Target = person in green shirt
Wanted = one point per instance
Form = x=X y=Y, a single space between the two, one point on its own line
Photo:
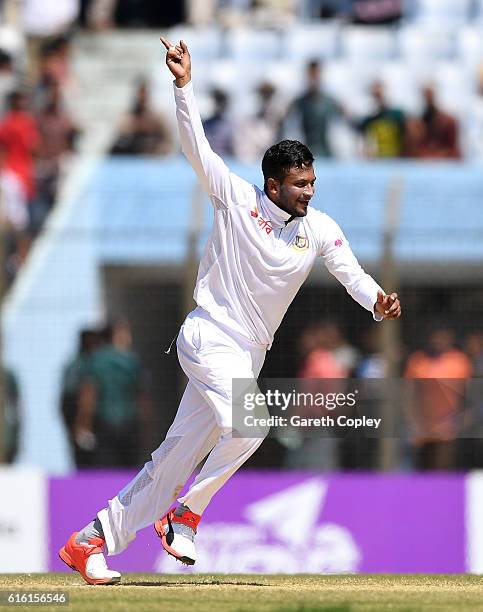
x=112 y=409
x=384 y=130
x=313 y=111
x=72 y=376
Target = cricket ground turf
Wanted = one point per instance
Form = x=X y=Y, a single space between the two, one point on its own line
x=260 y=593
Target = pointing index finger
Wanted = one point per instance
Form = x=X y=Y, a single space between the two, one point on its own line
x=166 y=43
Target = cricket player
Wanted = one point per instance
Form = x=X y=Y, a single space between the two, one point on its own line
x=261 y=249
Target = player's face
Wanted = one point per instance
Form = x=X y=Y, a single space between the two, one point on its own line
x=295 y=192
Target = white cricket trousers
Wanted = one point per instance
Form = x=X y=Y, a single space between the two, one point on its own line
x=210 y=356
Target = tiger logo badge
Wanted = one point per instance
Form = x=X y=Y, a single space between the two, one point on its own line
x=301 y=243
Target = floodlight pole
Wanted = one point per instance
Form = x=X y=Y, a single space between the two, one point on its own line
x=390 y=331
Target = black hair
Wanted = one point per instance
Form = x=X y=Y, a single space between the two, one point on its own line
x=5 y=59
x=314 y=64
x=111 y=326
x=88 y=340
x=281 y=157
x=14 y=99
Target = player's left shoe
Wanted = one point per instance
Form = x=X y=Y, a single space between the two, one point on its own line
x=177 y=535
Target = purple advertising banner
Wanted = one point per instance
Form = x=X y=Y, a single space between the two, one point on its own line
x=287 y=522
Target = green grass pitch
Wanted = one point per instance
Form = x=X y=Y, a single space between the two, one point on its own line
x=229 y=593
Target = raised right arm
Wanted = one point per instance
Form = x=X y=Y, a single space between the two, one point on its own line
x=220 y=184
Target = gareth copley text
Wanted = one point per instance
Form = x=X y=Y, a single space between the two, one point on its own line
x=342 y=420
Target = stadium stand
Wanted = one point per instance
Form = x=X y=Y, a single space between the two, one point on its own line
x=444 y=12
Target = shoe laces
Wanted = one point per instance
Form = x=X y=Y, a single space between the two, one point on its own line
x=184 y=530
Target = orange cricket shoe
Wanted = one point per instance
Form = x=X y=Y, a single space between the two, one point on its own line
x=177 y=535
x=88 y=560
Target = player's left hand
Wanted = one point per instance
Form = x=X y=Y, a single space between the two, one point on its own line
x=388 y=306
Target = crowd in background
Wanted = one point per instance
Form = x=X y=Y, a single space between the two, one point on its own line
x=107 y=409
x=385 y=133
x=37 y=134
x=314 y=117
x=102 y=14
x=439 y=416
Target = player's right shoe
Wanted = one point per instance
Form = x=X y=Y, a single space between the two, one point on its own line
x=88 y=559
x=177 y=535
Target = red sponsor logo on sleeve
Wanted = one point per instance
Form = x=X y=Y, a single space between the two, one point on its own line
x=338 y=242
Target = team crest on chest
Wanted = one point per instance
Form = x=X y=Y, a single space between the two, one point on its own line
x=301 y=243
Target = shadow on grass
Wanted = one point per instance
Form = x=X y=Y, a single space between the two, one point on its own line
x=343 y=607
x=192 y=584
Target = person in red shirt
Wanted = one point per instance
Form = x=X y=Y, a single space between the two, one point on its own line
x=435 y=135
x=20 y=136
x=437 y=402
x=58 y=134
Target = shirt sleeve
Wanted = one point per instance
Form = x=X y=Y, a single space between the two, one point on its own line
x=342 y=263
x=222 y=186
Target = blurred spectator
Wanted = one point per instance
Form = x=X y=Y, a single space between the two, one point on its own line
x=361 y=451
x=8 y=79
x=346 y=355
x=471 y=444
x=474 y=349
x=274 y=12
x=324 y=9
x=14 y=217
x=318 y=346
x=384 y=130
x=54 y=68
x=13 y=201
x=474 y=121
x=371 y=364
x=201 y=13
x=142 y=131
x=436 y=409
x=312 y=112
x=435 y=134
x=12 y=414
x=20 y=136
x=148 y=14
x=113 y=414
x=219 y=128
x=55 y=62
x=376 y=12
x=43 y=21
x=57 y=137
x=98 y=15
x=265 y=13
x=72 y=376
x=321 y=372
x=256 y=134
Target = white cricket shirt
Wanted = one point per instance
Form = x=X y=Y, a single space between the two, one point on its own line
x=254 y=262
